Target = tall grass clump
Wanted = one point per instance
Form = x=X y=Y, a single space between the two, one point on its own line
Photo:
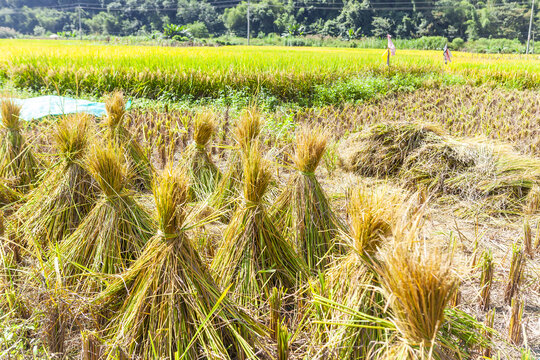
x=167 y=305
x=302 y=209
x=203 y=172
x=62 y=200
x=253 y=256
x=114 y=232
x=17 y=162
x=116 y=132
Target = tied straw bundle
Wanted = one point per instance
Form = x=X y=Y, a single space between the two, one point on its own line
x=58 y=205
x=302 y=209
x=17 y=162
x=228 y=193
x=203 y=172
x=114 y=232
x=169 y=305
x=121 y=137
x=254 y=257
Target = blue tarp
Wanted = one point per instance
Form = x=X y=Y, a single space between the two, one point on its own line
x=38 y=107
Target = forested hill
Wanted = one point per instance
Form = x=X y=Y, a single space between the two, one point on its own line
x=466 y=19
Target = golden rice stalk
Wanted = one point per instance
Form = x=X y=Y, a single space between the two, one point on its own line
x=516 y=272
x=302 y=209
x=55 y=208
x=527 y=239
x=113 y=233
x=419 y=285
x=254 y=257
x=486 y=279
x=203 y=172
x=167 y=305
x=91 y=348
x=123 y=139
x=516 y=316
x=17 y=162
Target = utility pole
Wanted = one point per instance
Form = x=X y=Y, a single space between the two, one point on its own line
x=249 y=5
x=80 y=29
x=530 y=26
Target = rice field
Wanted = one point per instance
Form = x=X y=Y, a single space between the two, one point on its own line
x=299 y=75
x=366 y=213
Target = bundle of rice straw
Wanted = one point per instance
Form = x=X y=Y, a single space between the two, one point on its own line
x=121 y=137
x=351 y=281
x=203 y=172
x=228 y=192
x=418 y=284
x=62 y=200
x=253 y=256
x=114 y=232
x=302 y=209
x=17 y=162
x=167 y=304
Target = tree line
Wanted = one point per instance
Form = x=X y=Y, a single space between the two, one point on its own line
x=348 y=19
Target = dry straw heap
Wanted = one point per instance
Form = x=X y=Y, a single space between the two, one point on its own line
x=203 y=172
x=17 y=163
x=114 y=232
x=167 y=304
x=116 y=132
x=57 y=206
x=302 y=209
x=253 y=256
x=493 y=179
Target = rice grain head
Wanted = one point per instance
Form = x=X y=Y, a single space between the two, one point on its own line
x=310 y=147
x=248 y=128
x=419 y=284
x=116 y=109
x=257 y=175
x=10 y=115
x=72 y=136
x=108 y=167
x=373 y=213
x=171 y=192
x=205 y=126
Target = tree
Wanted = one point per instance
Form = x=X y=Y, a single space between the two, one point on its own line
x=381 y=26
